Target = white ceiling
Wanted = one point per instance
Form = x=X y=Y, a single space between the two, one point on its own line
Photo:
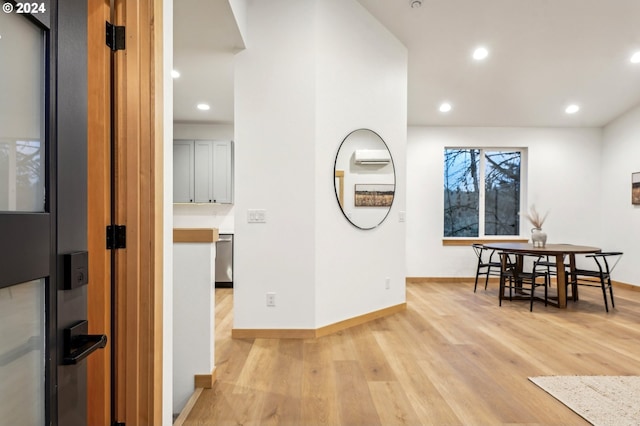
x=205 y=38
x=544 y=54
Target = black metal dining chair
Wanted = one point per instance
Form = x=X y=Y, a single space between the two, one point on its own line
x=600 y=276
x=549 y=262
x=487 y=264
x=520 y=281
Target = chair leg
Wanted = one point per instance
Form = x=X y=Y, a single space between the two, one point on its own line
x=477 y=275
x=547 y=283
x=574 y=288
x=613 y=305
x=604 y=294
x=533 y=292
x=486 y=280
x=511 y=283
x=502 y=286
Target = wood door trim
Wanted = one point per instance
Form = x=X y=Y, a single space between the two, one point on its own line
x=98 y=212
x=139 y=206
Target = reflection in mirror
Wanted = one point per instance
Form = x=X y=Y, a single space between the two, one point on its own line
x=364 y=178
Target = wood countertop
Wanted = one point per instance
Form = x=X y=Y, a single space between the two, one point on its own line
x=195 y=235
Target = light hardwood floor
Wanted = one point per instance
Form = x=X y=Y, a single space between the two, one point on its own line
x=453 y=358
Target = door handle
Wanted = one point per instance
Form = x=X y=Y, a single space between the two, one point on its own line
x=78 y=344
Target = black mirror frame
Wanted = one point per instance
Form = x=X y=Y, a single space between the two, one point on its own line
x=335 y=164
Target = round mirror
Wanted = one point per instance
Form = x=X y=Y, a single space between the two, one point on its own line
x=365 y=178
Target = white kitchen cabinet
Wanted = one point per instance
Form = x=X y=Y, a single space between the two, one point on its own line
x=183 y=174
x=223 y=172
x=203 y=171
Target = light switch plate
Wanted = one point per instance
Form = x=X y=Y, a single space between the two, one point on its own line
x=256 y=216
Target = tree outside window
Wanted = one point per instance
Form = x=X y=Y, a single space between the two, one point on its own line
x=481 y=192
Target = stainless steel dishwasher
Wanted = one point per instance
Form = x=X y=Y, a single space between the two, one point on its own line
x=224 y=261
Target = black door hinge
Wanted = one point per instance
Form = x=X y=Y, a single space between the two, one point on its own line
x=115 y=36
x=116 y=237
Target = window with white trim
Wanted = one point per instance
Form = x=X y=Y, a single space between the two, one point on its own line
x=482 y=192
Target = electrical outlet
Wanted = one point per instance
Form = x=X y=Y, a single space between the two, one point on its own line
x=387 y=283
x=271 y=299
x=402 y=216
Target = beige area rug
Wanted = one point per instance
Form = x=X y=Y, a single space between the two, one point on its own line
x=601 y=400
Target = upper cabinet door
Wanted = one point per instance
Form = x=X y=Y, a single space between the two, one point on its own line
x=183 y=164
x=223 y=172
x=203 y=171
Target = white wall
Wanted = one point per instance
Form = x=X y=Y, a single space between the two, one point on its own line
x=275 y=166
x=313 y=72
x=564 y=177
x=167 y=241
x=239 y=8
x=203 y=131
x=219 y=216
x=361 y=83
x=194 y=320
x=621 y=219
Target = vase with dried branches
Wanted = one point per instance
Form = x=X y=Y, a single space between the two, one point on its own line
x=538 y=237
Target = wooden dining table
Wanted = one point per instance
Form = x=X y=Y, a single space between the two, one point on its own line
x=559 y=251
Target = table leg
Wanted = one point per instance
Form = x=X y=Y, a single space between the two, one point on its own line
x=560 y=276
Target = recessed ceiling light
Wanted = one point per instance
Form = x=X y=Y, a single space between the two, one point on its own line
x=175 y=73
x=572 y=109
x=416 y=3
x=204 y=107
x=635 y=58
x=480 y=53
x=445 y=107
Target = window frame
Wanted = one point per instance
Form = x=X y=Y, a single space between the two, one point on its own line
x=524 y=160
